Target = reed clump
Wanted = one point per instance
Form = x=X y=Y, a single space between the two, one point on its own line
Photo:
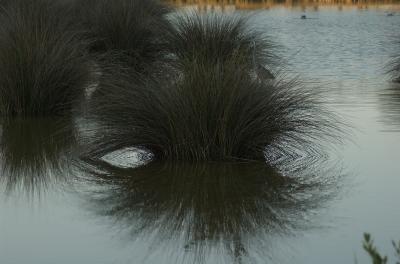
x=210 y=102
x=131 y=31
x=43 y=66
x=216 y=38
x=210 y=112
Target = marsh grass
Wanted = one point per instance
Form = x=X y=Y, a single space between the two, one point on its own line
x=373 y=252
x=209 y=102
x=130 y=31
x=215 y=38
x=43 y=67
x=211 y=112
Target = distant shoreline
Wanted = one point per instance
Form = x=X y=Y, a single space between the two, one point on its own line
x=302 y=4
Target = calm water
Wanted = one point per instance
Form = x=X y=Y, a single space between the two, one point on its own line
x=53 y=212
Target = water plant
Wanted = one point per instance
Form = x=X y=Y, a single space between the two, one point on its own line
x=130 y=30
x=211 y=112
x=215 y=38
x=373 y=252
x=43 y=66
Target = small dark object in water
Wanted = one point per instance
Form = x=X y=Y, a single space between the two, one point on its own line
x=303 y=17
x=390 y=14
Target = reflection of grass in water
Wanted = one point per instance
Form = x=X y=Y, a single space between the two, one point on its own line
x=390 y=105
x=207 y=206
x=33 y=153
x=131 y=30
x=43 y=70
x=394 y=68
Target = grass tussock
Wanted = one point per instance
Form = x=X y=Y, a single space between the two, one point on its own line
x=129 y=30
x=211 y=112
x=208 y=106
x=43 y=69
x=216 y=38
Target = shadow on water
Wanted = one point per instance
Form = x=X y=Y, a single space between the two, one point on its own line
x=204 y=208
x=34 y=153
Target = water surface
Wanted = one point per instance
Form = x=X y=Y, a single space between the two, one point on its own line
x=53 y=211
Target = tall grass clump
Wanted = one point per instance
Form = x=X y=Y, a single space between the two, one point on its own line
x=216 y=38
x=43 y=69
x=210 y=113
x=210 y=109
x=130 y=30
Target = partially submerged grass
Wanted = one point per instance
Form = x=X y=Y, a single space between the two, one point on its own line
x=208 y=104
x=211 y=112
x=129 y=30
x=43 y=66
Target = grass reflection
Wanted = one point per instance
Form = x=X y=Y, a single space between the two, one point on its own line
x=231 y=208
x=33 y=153
x=390 y=106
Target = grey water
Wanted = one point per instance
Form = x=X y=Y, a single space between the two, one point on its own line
x=52 y=211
